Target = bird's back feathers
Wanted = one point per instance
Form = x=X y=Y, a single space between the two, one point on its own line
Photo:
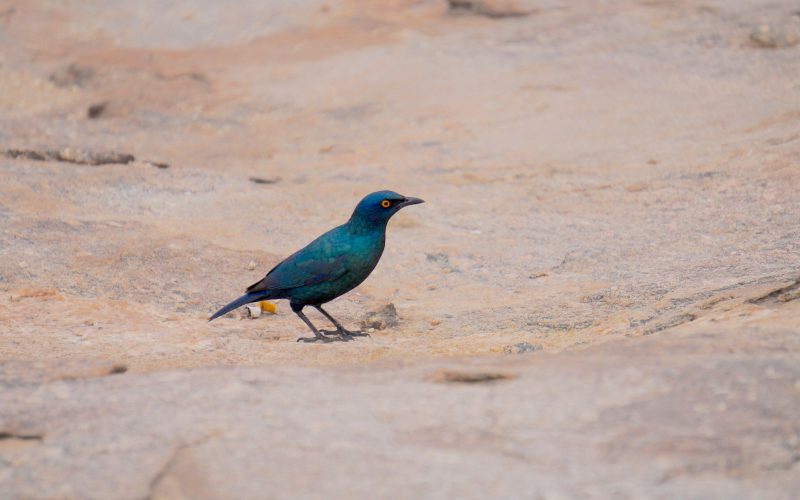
x=320 y=261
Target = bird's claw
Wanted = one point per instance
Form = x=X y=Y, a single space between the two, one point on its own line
x=337 y=334
x=316 y=339
x=346 y=334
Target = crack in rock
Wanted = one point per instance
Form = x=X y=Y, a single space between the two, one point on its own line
x=173 y=459
x=70 y=155
x=447 y=376
x=783 y=294
x=20 y=437
x=671 y=323
x=493 y=9
x=79 y=156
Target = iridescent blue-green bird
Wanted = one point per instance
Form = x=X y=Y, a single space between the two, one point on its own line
x=330 y=266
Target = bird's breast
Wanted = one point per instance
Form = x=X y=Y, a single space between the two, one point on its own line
x=365 y=254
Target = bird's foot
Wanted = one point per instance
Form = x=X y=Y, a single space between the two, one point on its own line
x=337 y=334
x=345 y=334
x=319 y=338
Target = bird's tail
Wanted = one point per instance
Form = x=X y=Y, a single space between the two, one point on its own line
x=244 y=299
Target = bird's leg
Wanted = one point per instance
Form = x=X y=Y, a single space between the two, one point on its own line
x=340 y=330
x=318 y=336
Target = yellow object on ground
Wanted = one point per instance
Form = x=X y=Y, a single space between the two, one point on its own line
x=268 y=307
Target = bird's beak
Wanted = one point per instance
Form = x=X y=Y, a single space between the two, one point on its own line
x=410 y=201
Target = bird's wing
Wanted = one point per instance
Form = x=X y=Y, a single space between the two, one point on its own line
x=322 y=260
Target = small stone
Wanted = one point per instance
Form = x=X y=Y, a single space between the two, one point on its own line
x=118 y=369
x=435 y=322
x=774 y=37
x=251 y=265
x=95 y=110
x=438 y=258
x=72 y=76
x=253 y=311
x=522 y=348
x=380 y=319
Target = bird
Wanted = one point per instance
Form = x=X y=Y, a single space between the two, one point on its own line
x=330 y=266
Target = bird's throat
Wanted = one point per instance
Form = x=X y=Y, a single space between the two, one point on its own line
x=360 y=225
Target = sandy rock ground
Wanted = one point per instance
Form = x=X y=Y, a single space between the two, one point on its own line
x=611 y=187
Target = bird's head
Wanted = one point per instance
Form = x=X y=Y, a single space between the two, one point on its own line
x=377 y=208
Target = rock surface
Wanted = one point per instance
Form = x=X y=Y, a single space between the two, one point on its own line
x=705 y=409
x=614 y=182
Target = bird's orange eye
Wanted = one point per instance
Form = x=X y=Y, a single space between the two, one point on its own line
x=386 y=203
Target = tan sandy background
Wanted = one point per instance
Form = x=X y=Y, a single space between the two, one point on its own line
x=598 y=299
